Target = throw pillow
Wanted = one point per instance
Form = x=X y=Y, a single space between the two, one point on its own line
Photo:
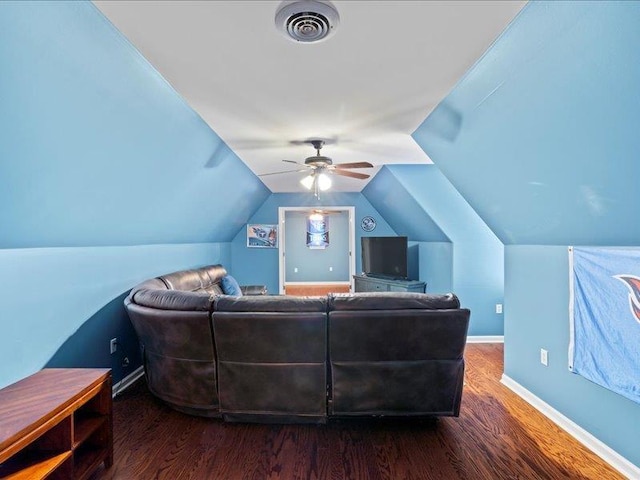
x=230 y=286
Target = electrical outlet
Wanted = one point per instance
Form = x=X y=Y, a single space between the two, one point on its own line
x=331 y=269
x=544 y=357
x=295 y=270
x=113 y=345
x=498 y=308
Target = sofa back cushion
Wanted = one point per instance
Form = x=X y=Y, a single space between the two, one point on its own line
x=174 y=300
x=392 y=301
x=267 y=303
x=183 y=280
x=195 y=279
x=152 y=284
x=214 y=273
x=398 y=335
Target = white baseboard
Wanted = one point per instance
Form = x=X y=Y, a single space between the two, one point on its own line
x=613 y=458
x=485 y=339
x=127 y=381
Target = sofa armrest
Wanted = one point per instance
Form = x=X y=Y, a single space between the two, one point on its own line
x=253 y=289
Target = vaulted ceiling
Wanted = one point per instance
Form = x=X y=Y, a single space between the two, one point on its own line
x=364 y=90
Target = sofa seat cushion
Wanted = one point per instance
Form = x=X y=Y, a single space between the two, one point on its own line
x=392 y=301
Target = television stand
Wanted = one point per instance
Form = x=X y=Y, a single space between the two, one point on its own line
x=56 y=424
x=364 y=283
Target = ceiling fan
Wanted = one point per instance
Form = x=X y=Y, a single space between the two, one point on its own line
x=320 y=167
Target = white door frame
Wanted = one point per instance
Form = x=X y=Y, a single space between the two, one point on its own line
x=282 y=247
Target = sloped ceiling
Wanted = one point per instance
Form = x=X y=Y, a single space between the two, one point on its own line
x=96 y=148
x=540 y=136
x=365 y=89
x=406 y=214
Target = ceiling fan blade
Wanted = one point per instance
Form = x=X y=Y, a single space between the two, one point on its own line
x=291 y=161
x=347 y=173
x=353 y=165
x=284 y=171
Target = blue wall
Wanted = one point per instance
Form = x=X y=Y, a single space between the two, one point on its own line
x=546 y=144
x=97 y=148
x=540 y=136
x=313 y=264
x=406 y=213
x=255 y=265
x=537 y=316
x=60 y=306
x=97 y=151
x=420 y=202
x=436 y=266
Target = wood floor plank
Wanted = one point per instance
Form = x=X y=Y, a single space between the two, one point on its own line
x=497 y=436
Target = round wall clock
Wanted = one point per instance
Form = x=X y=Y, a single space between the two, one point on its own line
x=368 y=224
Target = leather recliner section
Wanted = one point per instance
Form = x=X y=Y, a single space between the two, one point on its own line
x=179 y=357
x=386 y=359
x=172 y=317
x=271 y=358
x=288 y=359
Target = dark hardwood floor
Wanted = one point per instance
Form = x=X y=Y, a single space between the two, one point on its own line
x=497 y=436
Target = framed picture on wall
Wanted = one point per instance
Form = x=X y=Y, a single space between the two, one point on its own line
x=262 y=236
x=317 y=231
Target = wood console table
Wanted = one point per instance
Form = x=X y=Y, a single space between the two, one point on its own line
x=363 y=283
x=56 y=424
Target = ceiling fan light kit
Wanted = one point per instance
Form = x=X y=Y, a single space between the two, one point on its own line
x=321 y=168
x=324 y=182
x=307 y=21
x=307 y=182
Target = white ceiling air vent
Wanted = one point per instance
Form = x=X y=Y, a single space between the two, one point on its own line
x=307 y=21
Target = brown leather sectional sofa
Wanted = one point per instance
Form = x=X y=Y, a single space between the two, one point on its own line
x=287 y=359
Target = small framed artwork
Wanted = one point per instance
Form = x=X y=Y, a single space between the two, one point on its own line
x=262 y=236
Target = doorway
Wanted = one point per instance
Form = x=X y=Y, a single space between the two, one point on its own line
x=313 y=261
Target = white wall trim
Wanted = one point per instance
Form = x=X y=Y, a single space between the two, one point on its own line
x=345 y=282
x=127 y=381
x=485 y=339
x=605 y=452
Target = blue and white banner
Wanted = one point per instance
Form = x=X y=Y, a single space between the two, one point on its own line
x=604 y=317
x=317 y=231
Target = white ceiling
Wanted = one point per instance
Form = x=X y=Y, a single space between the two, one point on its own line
x=366 y=88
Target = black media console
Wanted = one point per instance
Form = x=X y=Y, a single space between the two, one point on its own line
x=364 y=283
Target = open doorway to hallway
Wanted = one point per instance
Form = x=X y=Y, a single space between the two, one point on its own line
x=317 y=250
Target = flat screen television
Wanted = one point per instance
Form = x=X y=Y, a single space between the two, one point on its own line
x=384 y=257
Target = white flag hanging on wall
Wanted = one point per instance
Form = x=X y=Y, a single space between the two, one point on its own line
x=604 y=317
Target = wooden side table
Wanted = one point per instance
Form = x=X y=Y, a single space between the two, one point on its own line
x=56 y=423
